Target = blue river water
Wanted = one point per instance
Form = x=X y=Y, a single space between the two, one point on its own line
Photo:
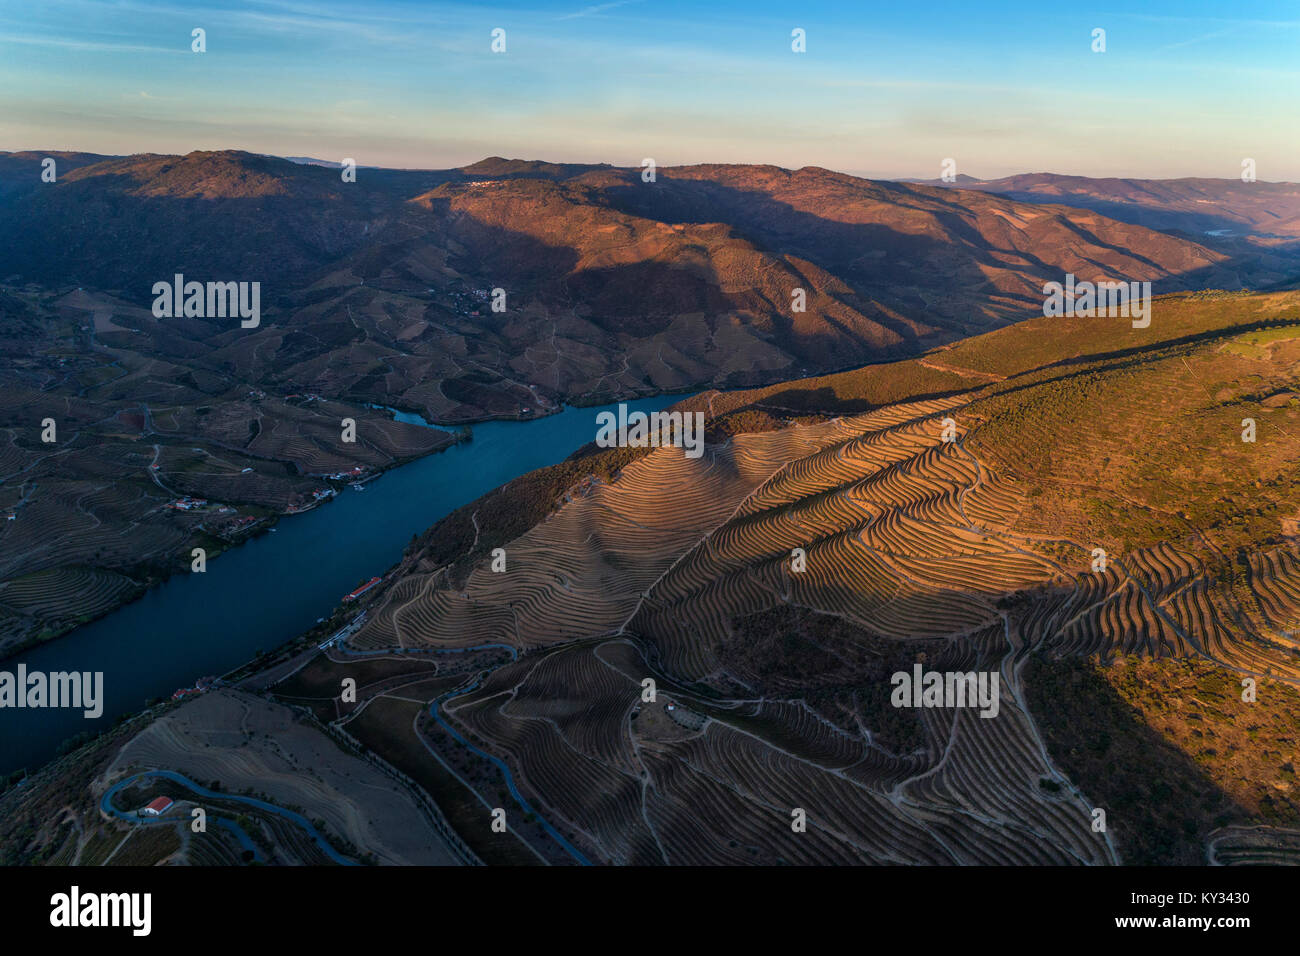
x=271 y=589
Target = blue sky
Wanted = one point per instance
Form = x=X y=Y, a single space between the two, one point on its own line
x=1184 y=88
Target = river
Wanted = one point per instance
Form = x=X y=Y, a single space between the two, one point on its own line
x=268 y=591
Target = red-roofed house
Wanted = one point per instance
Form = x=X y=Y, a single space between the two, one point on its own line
x=157 y=807
x=362 y=590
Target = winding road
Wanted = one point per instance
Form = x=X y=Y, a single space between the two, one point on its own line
x=106 y=804
x=496 y=761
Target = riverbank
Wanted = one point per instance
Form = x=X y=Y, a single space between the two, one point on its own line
x=151 y=548
x=277 y=587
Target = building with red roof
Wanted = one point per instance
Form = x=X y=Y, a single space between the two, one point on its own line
x=157 y=807
x=361 y=590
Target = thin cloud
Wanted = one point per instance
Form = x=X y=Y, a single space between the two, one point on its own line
x=597 y=9
x=1201 y=39
x=87 y=46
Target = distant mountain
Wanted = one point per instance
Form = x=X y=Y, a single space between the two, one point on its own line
x=1211 y=209
x=115 y=224
x=310 y=161
x=961 y=180
x=379 y=289
x=21 y=171
x=494 y=167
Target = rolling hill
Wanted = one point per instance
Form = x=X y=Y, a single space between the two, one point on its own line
x=379 y=289
x=1158 y=690
x=1121 y=686
x=381 y=292
x=1243 y=220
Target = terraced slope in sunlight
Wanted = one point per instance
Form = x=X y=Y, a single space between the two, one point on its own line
x=773 y=588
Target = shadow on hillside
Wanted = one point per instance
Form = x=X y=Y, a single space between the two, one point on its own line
x=647 y=297
x=95 y=232
x=838 y=246
x=1160 y=806
x=1195 y=225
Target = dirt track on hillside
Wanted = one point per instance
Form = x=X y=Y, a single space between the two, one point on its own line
x=244 y=741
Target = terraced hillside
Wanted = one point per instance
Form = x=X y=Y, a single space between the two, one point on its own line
x=384 y=292
x=274 y=789
x=950 y=513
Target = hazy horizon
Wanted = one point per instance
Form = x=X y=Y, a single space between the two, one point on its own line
x=1178 y=92
x=315 y=160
